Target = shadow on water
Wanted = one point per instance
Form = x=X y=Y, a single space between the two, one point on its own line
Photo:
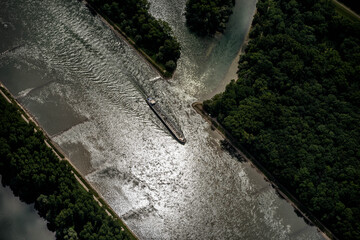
x=91 y=10
x=197 y=192
x=226 y=146
x=306 y=220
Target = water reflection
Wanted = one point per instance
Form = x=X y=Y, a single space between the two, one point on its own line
x=19 y=220
x=82 y=84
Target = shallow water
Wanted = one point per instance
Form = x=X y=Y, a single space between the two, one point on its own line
x=86 y=88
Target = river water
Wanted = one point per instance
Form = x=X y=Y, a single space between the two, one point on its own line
x=85 y=87
x=20 y=221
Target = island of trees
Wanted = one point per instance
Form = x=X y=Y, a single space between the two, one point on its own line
x=296 y=106
x=206 y=17
x=36 y=175
x=152 y=36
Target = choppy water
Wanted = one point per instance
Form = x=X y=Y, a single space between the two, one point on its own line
x=84 y=86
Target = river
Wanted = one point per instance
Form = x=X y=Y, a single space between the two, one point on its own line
x=85 y=87
x=19 y=220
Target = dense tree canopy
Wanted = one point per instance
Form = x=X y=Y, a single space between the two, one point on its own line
x=35 y=174
x=296 y=106
x=205 y=17
x=153 y=36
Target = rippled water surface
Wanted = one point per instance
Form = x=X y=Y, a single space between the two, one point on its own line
x=86 y=88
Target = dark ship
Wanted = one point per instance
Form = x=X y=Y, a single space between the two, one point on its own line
x=179 y=136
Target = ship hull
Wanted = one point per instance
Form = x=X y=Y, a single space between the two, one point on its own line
x=171 y=129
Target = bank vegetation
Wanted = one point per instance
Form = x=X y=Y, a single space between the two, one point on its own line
x=36 y=175
x=206 y=17
x=296 y=106
x=153 y=37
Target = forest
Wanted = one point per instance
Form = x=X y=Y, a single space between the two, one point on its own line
x=205 y=17
x=296 y=106
x=151 y=35
x=36 y=175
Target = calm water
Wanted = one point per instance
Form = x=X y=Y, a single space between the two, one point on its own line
x=85 y=88
x=19 y=220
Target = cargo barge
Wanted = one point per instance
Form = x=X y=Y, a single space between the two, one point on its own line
x=179 y=136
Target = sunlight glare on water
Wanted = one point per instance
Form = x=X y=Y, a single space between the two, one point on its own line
x=85 y=87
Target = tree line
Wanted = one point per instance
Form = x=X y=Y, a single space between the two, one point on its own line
x=206 y=17
x=353 y=5
x=36 y=175
x=296 y=106
x=153 y=36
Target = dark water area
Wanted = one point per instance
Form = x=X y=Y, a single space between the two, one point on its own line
x=20 y=221
x=85 y=87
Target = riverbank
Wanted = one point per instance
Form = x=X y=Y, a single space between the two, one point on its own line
x=122 y=35
x=345 y=11
x=232 y=71
x=27 y=117
x=281 y=190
